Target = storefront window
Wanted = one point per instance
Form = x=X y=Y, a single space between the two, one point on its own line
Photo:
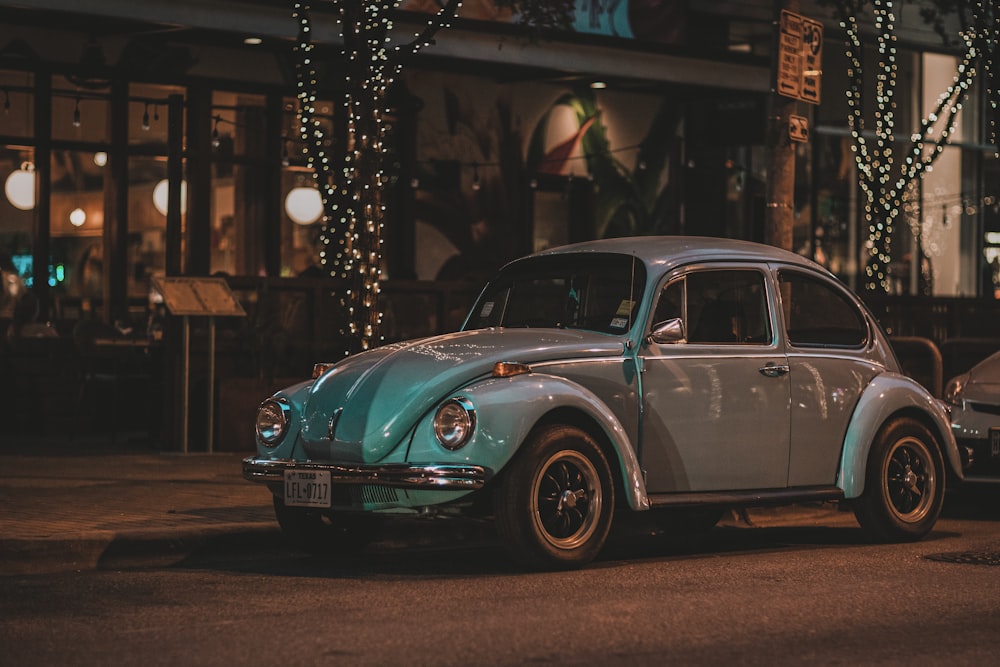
x=147 y=112
x=77 y=221
x=990 y=274
x=239 y=176
x=79 y=116
x=16 y=103
x=17 y=175
x=301 y=204
x=147 y=222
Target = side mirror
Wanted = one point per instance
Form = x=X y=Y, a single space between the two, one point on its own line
x=671 y=331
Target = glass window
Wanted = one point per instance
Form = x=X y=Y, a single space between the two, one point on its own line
x=671 y=304
x=727 y=307
x=79 y=116
x=817 y=315
x=16 y=104
x=77 y=220
x=599 y=292
x=147 y=113
x=301 y=204
x=147 y=222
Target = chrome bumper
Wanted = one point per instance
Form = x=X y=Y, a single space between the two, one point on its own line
x=439 y=477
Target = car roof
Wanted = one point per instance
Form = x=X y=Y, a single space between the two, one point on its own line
x=670 y=251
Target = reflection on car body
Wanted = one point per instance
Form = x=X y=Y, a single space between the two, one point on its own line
x=672 y=375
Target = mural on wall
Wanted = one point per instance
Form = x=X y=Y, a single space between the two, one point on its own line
x=630 y=199
x=482 y=146
x=661 y=21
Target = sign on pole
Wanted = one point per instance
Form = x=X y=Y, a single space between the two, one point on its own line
x=800 y=57
x=798 y=128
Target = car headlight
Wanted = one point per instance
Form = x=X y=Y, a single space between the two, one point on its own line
x=272 y=421
x=954 y=388
x=454 y=422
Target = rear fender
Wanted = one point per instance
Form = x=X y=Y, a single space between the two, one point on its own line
x=886 y=395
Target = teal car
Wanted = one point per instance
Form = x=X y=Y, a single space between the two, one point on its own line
x=673 y=375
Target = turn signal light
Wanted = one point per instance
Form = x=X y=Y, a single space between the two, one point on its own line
x=507 y=369
x=320 y=368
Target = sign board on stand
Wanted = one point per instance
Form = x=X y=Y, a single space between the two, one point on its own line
x=198 y=297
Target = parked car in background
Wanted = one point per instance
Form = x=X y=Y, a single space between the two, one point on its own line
x=673 y=375
x=975 y=418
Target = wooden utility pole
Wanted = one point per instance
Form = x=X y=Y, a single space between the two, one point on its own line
x=780 y=215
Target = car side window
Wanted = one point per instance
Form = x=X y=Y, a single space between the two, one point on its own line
x=719 y=307
x=817 y=315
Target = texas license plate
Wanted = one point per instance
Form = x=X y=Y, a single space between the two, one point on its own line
x=307 y=488
x=994 y=442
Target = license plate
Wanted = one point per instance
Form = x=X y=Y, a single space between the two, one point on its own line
x=307 y=488
x=995 y=442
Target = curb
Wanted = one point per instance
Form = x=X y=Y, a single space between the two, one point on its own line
x=128 y=550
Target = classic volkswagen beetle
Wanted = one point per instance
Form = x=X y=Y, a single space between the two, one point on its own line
x=679 y=375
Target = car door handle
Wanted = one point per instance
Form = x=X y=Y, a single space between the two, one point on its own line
x=772 y=370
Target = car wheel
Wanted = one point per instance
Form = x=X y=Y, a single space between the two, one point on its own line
x=904 y=483
x=555 y=501
x=324 y=533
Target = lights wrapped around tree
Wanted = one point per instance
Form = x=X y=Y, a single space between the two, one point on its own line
x=354 y=194
x=882 y=176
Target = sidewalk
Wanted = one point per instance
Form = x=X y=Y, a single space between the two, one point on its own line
x=85 y=506
x=93 y=507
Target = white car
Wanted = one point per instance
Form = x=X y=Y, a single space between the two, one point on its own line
x=975 y=418
x=673 y=375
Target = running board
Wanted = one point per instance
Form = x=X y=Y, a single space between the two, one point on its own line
x=749 y=498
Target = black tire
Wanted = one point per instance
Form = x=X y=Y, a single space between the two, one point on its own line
x=904 y=483
x=555 y=501
x=325 y=533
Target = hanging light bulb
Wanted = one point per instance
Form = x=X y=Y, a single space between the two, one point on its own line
x=145 y=118
x=475 y=176
x=215 y=133
x=76 y=113
x=6 y=101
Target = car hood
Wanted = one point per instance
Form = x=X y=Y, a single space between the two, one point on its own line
x=374 y=398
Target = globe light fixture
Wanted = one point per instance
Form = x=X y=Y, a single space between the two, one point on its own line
x=160 y=193
x=77 y=217
x=20 y=187
x=304 y=205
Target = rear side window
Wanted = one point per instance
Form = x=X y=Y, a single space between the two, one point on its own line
x=818 y=315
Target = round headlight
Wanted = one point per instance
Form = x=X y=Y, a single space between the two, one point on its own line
x=272 y=421
x=953 y=390
x=454 y=422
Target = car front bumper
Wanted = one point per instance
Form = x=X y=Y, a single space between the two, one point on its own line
x=438 y=477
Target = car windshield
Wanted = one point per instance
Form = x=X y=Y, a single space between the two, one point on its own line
x=595 y=291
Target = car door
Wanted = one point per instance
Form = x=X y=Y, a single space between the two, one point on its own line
x=715 y=403
x=828 y=342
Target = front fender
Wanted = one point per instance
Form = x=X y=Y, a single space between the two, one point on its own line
x=295 y=397
x=886 y=395
x=507 y=409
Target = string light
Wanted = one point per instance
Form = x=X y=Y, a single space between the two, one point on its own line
x=884 y=179
x=76 y=113
x=353 y=194
x=145 y=118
